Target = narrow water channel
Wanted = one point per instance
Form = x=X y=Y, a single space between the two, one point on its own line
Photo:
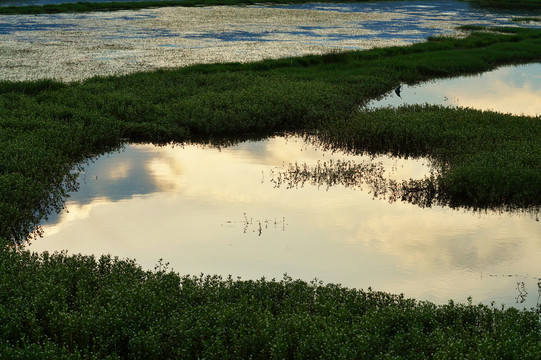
x=509 y=89
x=225 y=211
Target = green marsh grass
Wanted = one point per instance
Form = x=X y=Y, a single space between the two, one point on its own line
x=55 y=306
x=484 y=159
x=526 y=19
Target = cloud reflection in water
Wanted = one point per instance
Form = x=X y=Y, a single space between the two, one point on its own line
x=509 y=89
x=172 y=203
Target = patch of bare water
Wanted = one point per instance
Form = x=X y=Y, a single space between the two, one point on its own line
x=510 y=89
x=284 y=205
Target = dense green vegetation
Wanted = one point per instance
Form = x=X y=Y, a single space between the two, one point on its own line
x=485 y=159
x=73 y=307
x=82 y=6
x=46 y=127
x=509 y=4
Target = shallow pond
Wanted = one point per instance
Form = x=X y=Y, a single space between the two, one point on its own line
x=247 y=210
x=509 y=89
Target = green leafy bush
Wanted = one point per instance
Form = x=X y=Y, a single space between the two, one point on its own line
x=59 y=306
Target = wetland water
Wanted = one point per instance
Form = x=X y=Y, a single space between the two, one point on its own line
x=236 y=211
x=112 y=43
x=509 y=89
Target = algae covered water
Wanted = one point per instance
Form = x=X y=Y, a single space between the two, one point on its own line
x=123 y=42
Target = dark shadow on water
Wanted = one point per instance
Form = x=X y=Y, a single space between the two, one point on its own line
x=52 y=203
x=49 y=207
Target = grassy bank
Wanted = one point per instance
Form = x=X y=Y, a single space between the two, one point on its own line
x=46 y=127
x=508 y=4
x=80 y=7
x=485 y=159
x=73 y=307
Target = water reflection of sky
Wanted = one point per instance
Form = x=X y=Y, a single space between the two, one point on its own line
x=217 y=212
x=509 y=89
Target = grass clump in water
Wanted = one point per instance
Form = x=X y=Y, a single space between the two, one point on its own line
x=526 y=19
x=484 y=159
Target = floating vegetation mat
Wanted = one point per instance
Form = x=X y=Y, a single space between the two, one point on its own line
x=72 y=47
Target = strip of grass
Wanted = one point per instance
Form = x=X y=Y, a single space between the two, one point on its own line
x=508 y=4
x=479 y=154
x=526 y=19
x=73 y=307
x=46 y=127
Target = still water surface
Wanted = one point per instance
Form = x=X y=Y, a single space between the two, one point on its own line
x=509 y=89
x=223 y=211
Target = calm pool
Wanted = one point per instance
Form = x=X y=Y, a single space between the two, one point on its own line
x=509 y=89
x=225 y=211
